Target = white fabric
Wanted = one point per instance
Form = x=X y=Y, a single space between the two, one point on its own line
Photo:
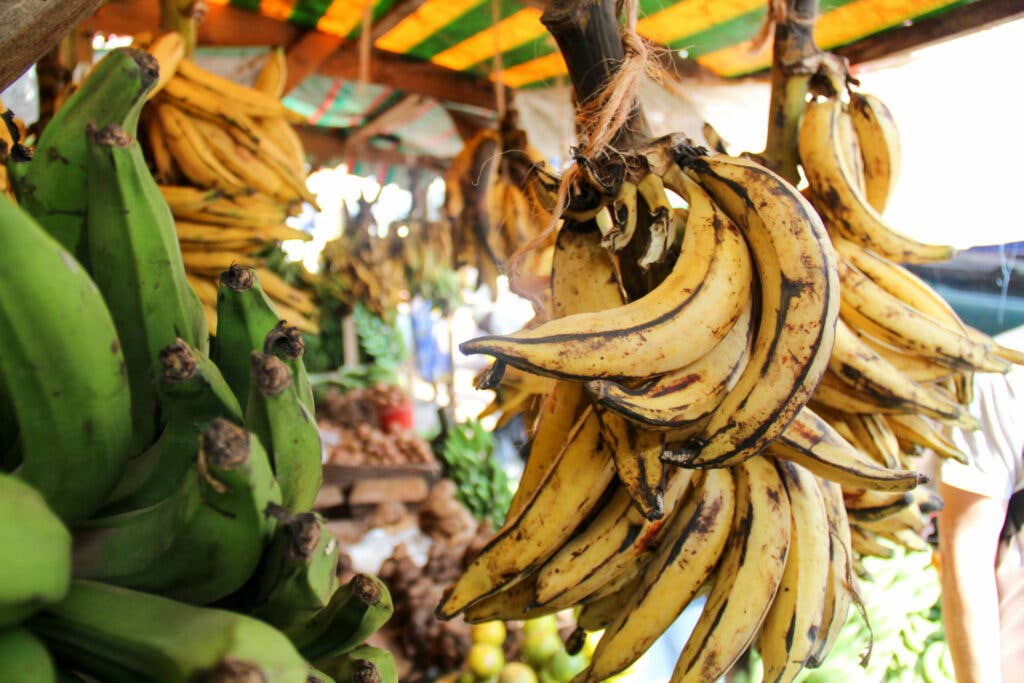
x=996 y=451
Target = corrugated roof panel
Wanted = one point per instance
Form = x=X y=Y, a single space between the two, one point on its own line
x=520 y=28
x=845 y=23
x=421 y=24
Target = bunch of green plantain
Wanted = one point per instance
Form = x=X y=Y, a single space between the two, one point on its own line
x=155 y=488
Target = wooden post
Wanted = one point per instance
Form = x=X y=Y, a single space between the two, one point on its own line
x=30 y=28
x=349 y=342
x=794 y=56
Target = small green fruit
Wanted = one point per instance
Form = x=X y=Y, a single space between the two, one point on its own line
x=517 y=672
x=545 y=624
x=563 y=666
x=490 y=633
x=538 y=648
x=485 y=661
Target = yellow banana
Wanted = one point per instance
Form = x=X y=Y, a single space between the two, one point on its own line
x=799 y=306
x=879 y=145
x=582 y=280
x=659 y=219
x=700 y=300
x=572 y=487
x=206 y=290
x=840 y=574
x=843 y=204
x=187 y=199
x=273 y=75
x=169 y=50
x=684 y=396
x=874 y=434
x=874 y=505
x=214 y=262
x=684 y=560
x=284 y=138
x=606 y=546
x=637 y=454
x=252 y=102
x=865 y=542
x=865 y=370
x=279 y=290
x=165 y=170
x=789 y=634
x=748 y=575
x=192 y=154
x=598 y=612
x=623 y=214
x=240 y=161
x=811 y=442
x=914 y=366
x=917 y=430
x=867 y=306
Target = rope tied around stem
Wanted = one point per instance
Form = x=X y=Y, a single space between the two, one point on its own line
x=601 y=119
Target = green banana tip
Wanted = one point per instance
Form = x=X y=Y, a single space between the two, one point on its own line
x=238 y=278
x=285 y=340
x=224 y=445
x=149 y=67
x=364 y=671
x=270 y=375
x=234 y=671
x=177 y=364
x=303 y=536
x=365 y=589
x=110 y=135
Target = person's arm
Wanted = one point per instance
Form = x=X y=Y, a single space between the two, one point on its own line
x=969 y=527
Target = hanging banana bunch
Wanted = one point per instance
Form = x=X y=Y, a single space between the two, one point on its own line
x=231 y=168
x=493 y=210
x=734 y=389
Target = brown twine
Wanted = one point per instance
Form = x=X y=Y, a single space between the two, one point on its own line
x=365 y=43
x=601 y=118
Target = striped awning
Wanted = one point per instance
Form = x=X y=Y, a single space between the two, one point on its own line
x=461 y=34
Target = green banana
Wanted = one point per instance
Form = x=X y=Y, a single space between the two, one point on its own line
x=61 y=361
x=192 y=394
x=218 y=550
x=356 y=611
x=275 y=413
x=124 y=636
x=298 y=574
x=128 y=542
x=37 y=552
x=314 y=676
x=365 y=664
x=24 y=658
x=285 y=341
x=245 y=315
x=136 y=262
x=52 y=187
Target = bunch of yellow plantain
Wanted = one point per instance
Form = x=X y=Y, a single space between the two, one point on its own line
x=492 y=209
x=728 y=396
x=232 y=169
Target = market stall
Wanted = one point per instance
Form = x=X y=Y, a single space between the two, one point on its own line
x=427 y=340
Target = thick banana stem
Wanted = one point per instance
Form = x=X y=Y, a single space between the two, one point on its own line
x=589 y=37
x=793 y=53
x=183 y=16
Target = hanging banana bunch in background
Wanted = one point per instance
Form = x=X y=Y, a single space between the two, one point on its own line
x=494 y=212
x=733 y=391
x=231 y=168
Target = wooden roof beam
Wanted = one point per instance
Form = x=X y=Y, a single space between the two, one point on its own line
x=413 y=76
x=31 y=28
x=306 y=55
x=327 y=147
x=950 y=24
